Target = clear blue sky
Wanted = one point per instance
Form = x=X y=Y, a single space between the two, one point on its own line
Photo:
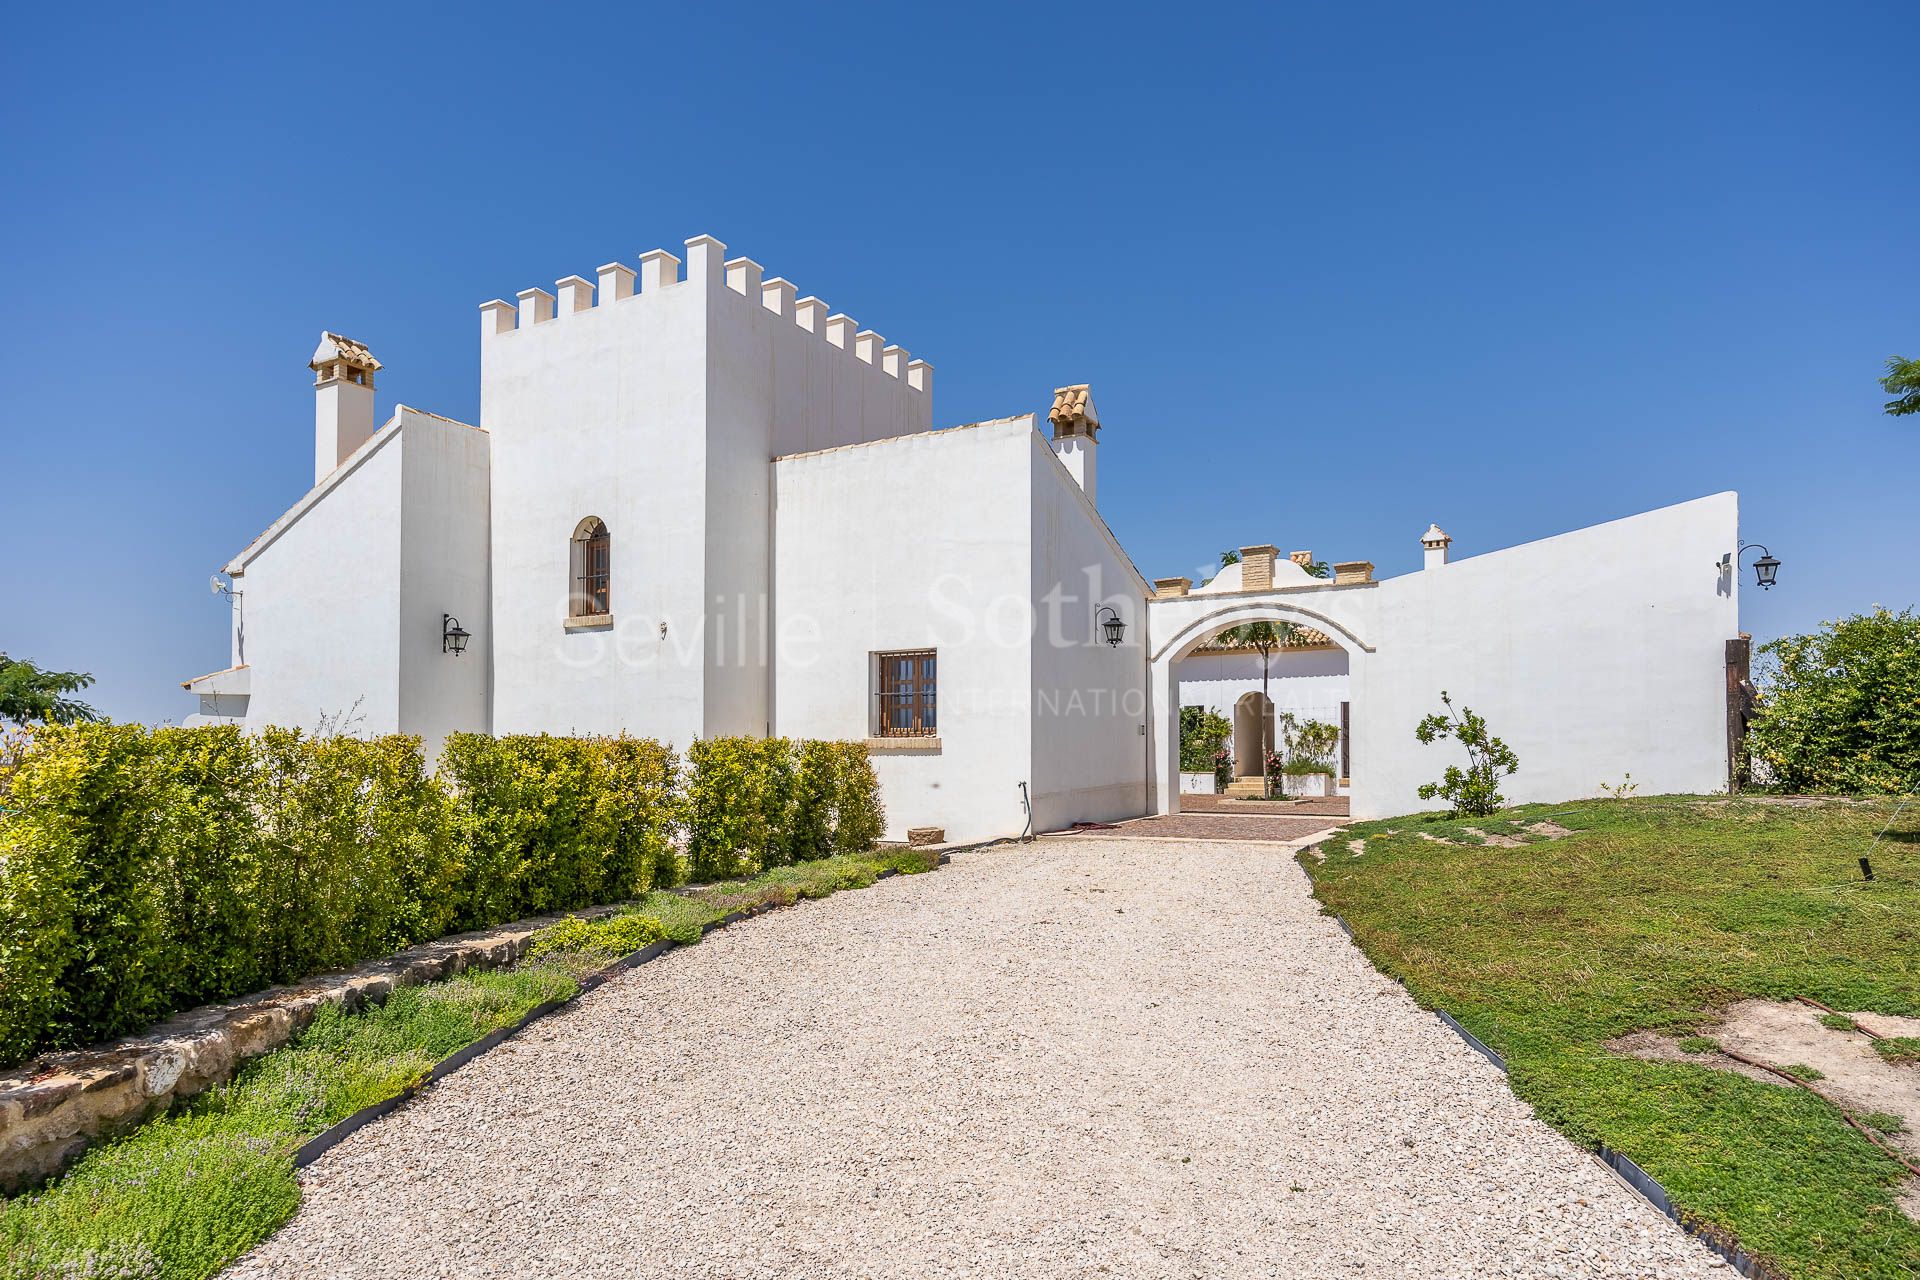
x=1334 y=271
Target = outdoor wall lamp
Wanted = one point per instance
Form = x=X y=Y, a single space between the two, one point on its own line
x=1112 y=626
x=1765 y=569
x=453 y=636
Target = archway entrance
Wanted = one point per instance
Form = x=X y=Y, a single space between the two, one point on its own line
x=1320 y=675
x=1248 y=715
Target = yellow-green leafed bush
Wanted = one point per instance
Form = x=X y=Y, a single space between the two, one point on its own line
x=148 y=870
x=737 y=801
x=612 y=936
x=143 y=871
x=359 y=857
x=550 y=824
x=858 y=817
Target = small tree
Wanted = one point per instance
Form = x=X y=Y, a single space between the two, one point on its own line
x=1265 y=639
x=1903 y=384
x=1475 y=790
x=29 y=695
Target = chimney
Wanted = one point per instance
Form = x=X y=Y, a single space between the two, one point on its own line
x=1435 y=542
x=342 y=401
x=1256 y=568
x=1076 y=432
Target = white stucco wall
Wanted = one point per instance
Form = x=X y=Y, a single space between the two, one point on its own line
x=341 y=600
x=1593 y=654
x=921 y=542
x=954 y=540
x=320 y=598
x=659 y=413
x=443 y=569
x=601 y=413
x=1090 y=714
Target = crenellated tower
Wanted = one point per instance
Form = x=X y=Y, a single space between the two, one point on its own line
x=654 y=401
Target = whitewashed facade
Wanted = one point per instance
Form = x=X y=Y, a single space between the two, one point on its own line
x=696 y=504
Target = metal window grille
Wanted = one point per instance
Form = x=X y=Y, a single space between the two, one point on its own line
x=907 y=699
x=590 y=586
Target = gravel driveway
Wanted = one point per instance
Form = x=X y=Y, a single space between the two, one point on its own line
x=1072 y=1058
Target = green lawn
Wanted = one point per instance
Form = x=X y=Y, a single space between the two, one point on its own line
x=1651 y=914
x=190 y=1191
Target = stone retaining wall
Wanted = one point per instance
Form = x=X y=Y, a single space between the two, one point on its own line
x=53 y=1106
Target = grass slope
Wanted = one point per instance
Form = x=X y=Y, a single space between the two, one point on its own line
x=194 y=1189
x=1650 y=915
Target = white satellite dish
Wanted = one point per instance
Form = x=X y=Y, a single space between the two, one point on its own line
x=219 y=586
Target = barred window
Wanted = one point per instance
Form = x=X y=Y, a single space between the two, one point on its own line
x=590 y=596
x=906 y=695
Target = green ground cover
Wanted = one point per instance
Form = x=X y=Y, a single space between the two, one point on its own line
x=1651 y=914
x=196 y=1188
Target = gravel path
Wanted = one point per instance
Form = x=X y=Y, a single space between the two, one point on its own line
x=1072 y=1058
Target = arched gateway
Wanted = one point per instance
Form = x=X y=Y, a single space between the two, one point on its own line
x=1181 y=623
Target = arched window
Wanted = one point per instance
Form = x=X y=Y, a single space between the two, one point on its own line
x=589 y=594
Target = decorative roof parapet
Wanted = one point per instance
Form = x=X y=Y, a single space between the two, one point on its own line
x=1352 y=571
x=705 y=261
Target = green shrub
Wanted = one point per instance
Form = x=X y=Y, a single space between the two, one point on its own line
x=612 y=936
x=144 y=871
x=1475 y=790
x=1203 y=735
x=551 y=824
x=357 y=854
x=1840 y=709
x=816 y=786
x=859 y=819
x=736 y=802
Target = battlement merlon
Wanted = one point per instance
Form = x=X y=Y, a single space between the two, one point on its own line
x=617 y=284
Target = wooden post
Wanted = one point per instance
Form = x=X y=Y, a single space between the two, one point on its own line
x=1740 y=699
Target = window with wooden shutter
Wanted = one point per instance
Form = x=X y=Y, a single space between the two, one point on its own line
x=907 y=702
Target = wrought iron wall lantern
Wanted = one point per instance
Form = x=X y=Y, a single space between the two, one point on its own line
x=1114 y=628
x=1765 y=569
x=453 y=636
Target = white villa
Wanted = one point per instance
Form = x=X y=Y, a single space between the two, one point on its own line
x=696 y=504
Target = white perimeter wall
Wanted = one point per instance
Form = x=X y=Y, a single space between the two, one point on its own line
x=922 y=542
x=1593 y=654
x=320 y=602
x=1091 y=749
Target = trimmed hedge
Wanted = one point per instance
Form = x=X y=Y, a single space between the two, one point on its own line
x=144 y=871
x=756 y=803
